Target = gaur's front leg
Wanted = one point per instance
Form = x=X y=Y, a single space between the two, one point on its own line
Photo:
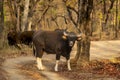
x=68 y=65
x=57 y=62
x=68 y=62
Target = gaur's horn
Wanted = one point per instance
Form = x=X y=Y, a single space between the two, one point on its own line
x=79 y=35
x=65 y=33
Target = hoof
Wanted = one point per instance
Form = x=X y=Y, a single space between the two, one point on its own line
x=40 y=68
x=56 y=70
x=70 y=70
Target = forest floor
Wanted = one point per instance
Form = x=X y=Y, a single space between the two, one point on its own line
x=104 y=64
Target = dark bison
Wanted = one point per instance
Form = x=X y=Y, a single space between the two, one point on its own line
x=57 y=42
x=14 y=38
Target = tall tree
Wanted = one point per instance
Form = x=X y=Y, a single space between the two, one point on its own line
x=18 y=12
x=1 y=17
x=116 y=20
x=85 y=8
x=82 y=23
x=1 y=22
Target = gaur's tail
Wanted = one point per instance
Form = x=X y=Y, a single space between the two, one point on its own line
x=34 y=50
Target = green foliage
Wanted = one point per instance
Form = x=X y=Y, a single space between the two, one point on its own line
x=119 y=16
x=42 y=3
x=100 y=15
x=52 y=11
x=71 y=3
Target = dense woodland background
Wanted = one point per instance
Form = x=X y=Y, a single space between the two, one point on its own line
x=96 y=19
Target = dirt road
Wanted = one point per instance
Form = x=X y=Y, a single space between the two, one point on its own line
x=99 y=50
x=10 y=66
x=105 y=49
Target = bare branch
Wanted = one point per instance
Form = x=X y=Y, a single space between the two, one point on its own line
x=71 y=18
x=73 y=9
x=109 y=10
x=63 y=18
x=69 y=10
x=44 y=12
x=33 y=7
x=54 y=19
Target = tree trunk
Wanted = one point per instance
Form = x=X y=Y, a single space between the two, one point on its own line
x=77 y=54
x=116 y=20
x=29 y=24
x=25 y=15
x=1 y=23
x=83 y=48
x=18 y=19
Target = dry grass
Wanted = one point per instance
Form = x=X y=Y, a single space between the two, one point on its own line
x=11 y=52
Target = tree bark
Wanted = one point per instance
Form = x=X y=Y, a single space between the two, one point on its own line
x=1 y=16
x=116 y=20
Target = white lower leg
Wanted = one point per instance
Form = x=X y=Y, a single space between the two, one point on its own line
x=68 y=65
x=39 y=63
x=56 y=65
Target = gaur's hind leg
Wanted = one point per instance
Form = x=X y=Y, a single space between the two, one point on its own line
x=39 y=63
x=39 y=59
x=57 y=62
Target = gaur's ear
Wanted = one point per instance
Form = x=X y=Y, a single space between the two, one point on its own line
x=64 y=37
